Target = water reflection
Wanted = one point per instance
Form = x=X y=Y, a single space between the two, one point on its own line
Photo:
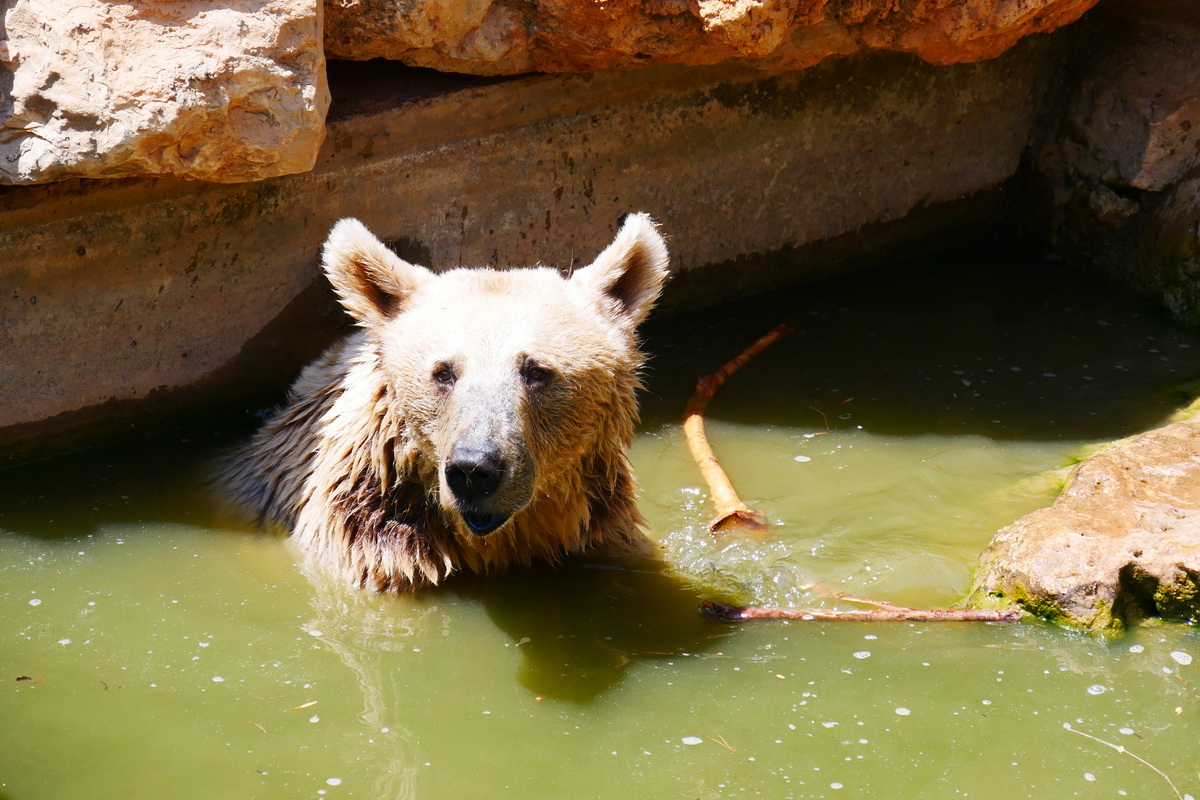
x=364 y=631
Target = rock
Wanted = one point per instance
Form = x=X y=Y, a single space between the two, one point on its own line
x=1134 y=118
x=123 y=301
x=227 y=93
x=1120 y=544
x=507 y=37
x=1114 y=184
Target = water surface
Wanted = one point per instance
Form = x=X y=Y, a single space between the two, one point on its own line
x=151 y=646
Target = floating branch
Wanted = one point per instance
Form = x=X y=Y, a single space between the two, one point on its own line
x=732 y=513
x=888 y=613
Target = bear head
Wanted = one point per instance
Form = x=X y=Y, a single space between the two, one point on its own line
x=513 y=385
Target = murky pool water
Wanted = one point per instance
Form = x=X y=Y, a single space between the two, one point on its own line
x=151 y=647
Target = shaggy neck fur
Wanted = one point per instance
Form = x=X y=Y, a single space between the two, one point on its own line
x=337 y=466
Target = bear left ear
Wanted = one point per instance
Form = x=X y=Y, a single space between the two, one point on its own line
x=372 y=282
x=631 y=271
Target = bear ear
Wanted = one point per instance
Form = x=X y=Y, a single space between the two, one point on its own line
x=631 y=271
x=372 y=282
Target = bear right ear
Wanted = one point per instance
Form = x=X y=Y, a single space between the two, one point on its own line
x=629 y=273
x=371 y=281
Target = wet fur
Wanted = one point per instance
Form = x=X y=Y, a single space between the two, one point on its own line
x=348 y=465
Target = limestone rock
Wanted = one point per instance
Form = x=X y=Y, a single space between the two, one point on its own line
x=507 y=37
x=216 y=92
x=1121 y=543
x=1135 y=116
x=1117 y=173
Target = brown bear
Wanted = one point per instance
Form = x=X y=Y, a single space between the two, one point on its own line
x=478 y=419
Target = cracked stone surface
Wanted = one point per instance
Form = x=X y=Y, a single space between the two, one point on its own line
x=508 y=37
x=1119 y=545
x=189 y=89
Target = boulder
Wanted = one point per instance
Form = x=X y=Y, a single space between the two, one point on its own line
x=507 y=37
x=1115 y=174
x=227 y=93
x=1119 y=545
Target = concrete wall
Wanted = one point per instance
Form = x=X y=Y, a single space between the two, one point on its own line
x=126 y=303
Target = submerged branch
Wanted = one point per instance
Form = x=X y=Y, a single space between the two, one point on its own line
x=889 y=613
x=732 y=513
x=1121 y=749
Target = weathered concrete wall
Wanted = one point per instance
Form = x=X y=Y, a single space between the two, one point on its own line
x=123 y=299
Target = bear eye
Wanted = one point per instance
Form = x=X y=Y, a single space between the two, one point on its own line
x=444 y=375
x=535 y=374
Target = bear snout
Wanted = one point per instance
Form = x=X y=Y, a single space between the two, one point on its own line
x=473 y=477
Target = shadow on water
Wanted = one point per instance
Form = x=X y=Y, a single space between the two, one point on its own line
x=581 y=626
x=997 y=345
x=163 y=479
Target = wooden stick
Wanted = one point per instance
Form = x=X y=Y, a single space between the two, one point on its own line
x=888 y=614
x=732 y=513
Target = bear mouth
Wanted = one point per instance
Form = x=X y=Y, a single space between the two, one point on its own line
x=483 y=524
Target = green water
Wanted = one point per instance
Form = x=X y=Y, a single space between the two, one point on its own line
x=170 y=653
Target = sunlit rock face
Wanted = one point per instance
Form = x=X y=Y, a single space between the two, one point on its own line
x=1121 y=543
x=508 y=37
x=224 y=92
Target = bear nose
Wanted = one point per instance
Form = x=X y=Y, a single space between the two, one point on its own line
x=474 y=475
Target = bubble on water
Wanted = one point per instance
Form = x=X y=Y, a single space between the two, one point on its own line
x=315 y=633
x=64 y=641
x=314 y=718
x=218 y=679
x=1136 y=648
x=902 y=711
x=1181 y=657
x=692 y=740
x=1096 y=688
x=835 y=785
x=333 y=781
x=863 y=654
x=802 y=459
x=829 y=724
x=35 y=602
x=1126 y=731
x=870 y=636
x=1087 y=776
